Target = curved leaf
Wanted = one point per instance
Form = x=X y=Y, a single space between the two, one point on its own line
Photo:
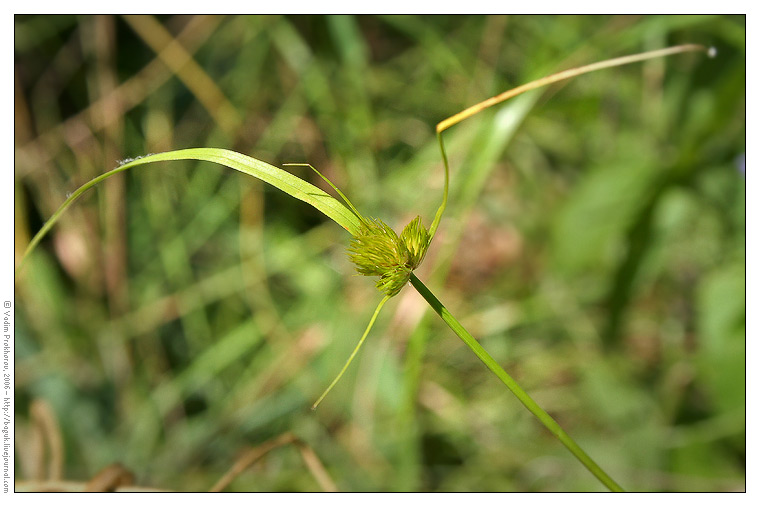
x=288 y=183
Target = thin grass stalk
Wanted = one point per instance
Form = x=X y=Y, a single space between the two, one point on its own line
x=518 y=391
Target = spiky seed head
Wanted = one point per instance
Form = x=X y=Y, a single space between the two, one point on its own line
x=416 y=240
x=378 y=251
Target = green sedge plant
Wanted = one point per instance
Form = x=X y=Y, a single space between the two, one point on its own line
x=375 y=248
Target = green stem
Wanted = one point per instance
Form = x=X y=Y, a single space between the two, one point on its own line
x=508 y=381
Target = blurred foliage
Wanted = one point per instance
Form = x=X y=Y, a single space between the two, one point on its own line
x=182 y=314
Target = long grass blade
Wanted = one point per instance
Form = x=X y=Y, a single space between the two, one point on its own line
x=288 y=183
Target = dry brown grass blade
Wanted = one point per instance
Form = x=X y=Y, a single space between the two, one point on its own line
x=316 y=468
x=126 y=96
x=47 y=431
x=251 y=456
x=566 y=74
x=74 y=487
x=181 y=62
x=110 y=479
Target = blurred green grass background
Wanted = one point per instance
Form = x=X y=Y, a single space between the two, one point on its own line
x=182 y=314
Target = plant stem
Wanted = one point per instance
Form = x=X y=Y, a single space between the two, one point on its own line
x=508 y=381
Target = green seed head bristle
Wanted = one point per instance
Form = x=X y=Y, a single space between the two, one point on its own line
x=416 y=240
x=378 y=251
